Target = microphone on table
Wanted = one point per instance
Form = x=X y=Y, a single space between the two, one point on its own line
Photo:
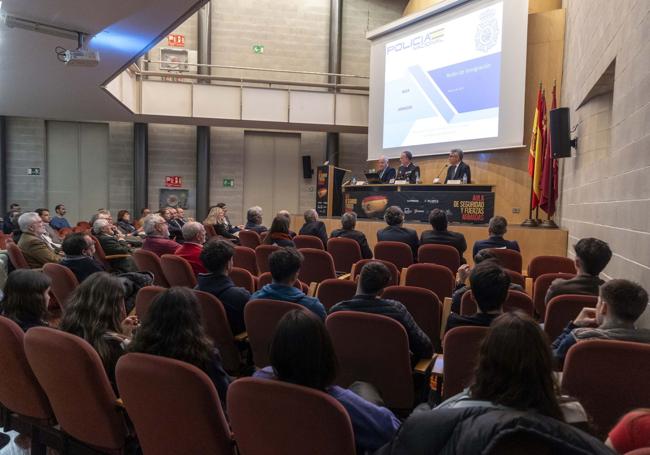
x=439 y=173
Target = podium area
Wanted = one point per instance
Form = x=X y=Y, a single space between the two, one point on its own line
x=532 y=241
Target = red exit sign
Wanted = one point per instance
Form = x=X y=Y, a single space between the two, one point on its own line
x=176 y=40
x=173 y=181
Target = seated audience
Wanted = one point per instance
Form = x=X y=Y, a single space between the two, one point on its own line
x=302 y=353
x=124 y=223
x=631 y=432
x=145 y=212
x=174 y=227
x=217 y=218
x=27 y=293
x=113 y=245
x=374 y=277
x=284 y=265
x=102 y=214
x=592 y=256
x=497 y=228
x=226 y=221
x=10 y=220
x=489 y=285
x=172 y=328
x=36 y=251
x=513 y=387
x=314 y=227
x=287 y=215
x=217 y=257
x=58 y=221
x=463 y=274
x=254 y=220
x=279 y=233
x=348 y=223
x=157 y=232
x=621 y=303
x=441 y=236
x=394 y=232
x=79 y=249
x=51 y=235
x=96 y=313
x=190 y=250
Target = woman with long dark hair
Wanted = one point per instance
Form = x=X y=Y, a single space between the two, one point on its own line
x=96 y=313
x=279 y=233
x=302 y=353
x=172 y=328
x=27 y=293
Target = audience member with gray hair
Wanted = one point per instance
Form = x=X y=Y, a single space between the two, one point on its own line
x=348 y=231
x=112 y=246
x=157 y=232
x=386 y=173
x=458 y=170
x=496 y=229
x=314 y=227
x=395 y=232
x=254 y=220
x=190 y=250
x=36 y=251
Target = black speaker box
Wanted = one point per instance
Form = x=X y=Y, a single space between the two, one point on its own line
x=307 y=171
x=559 y=132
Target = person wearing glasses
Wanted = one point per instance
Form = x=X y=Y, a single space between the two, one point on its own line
x=458 y=170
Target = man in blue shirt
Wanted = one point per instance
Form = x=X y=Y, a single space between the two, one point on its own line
x=58 y=221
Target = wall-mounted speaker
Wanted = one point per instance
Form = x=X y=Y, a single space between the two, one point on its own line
x=307 y=171
x=559 y=132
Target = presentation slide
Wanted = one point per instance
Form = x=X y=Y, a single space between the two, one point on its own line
x=442 y=83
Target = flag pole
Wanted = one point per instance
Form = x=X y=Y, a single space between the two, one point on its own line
x=549 y=223
x=530 y=222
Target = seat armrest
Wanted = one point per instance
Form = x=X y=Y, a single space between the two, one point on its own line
x=446 y=309
x=117 y=256
x=423 y=365
x=241 y=336
x=345 y=276
x=313 y=286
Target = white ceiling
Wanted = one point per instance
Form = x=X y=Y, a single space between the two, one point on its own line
x=33 y=83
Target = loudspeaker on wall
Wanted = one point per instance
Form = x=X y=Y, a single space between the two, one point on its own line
x=559 y=132
x=307 y=171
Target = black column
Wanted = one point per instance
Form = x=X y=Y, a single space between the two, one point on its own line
x=336 y=21
x=3 y=165
x=202 y=171
x=141 y=168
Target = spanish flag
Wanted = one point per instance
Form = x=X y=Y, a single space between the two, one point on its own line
x=537 y=148
x=533 y=137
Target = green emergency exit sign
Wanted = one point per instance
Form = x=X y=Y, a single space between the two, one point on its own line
x=258 y=48
x=228 y=183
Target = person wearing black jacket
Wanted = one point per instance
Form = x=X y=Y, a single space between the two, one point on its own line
x=347 y=231
x=394 y=232
x=254 y=220
x=79 y=251
x=408 y=171
x=441 y=236
x=112 y=245
x=374 y=277
x=386 y=173
x=458 y=170
x=314 y=227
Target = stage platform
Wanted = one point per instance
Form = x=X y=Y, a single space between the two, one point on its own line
x=532 y=241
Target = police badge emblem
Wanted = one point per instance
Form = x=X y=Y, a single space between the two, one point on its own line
x=487 y=31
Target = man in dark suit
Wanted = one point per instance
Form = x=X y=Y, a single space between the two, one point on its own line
x=458 y=170
x=497 y=229
x=313 y=226
x=79 y=251
x=386 y=173
x=175 y=228
x=592 y=256
x=348 y=223
x=113 y=245
x=394 y=232
x=254 y=220
x=407 y=171
x=441 y=236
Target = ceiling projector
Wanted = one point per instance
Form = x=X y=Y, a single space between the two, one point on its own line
x=81 y=57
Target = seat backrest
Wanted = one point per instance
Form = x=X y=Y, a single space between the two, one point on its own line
x=262 y=254
x=16 y=256
x=318 y=266
x=515 y=300
x=144 y=297
x=550 y=264
x=251 y=239
x=3 y=240
x=398 y=253
x=147 y=261
x=345 y=253
x=83 y=225
x=373 y=348
x=261 y=316
x=308 y=241
x=274 y=417
x=508 y=259
x=243 y=279
x=67 y=366
x=245 y=259
x=424 y=306
x=516 y=278
x=63 y=281
x=20 y=391
x=440 y=254
x=609 y=378
x=461 y=347
x=177 y=271
x=332 y=291
x=215 y=323
x=540 y=287
x=153 y=388
x=357 y=266
x=266 y=278
x=563 y=309
x=436 y=278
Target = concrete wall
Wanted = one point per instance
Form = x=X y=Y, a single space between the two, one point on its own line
x=26 y=149
x=606 y=185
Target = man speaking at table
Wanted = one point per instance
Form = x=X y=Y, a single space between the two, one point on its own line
x=458 y=170
x=407 y=171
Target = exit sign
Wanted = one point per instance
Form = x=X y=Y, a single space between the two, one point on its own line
x=173 y=181
x=175 y=40
x=258 y=48
x=34 y=171
x=228 y=183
